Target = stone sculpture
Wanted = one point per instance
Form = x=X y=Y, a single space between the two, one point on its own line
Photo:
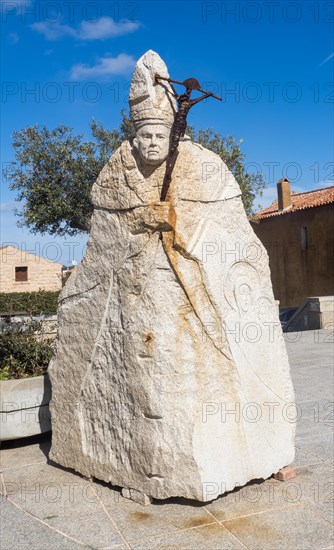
x=170 y=376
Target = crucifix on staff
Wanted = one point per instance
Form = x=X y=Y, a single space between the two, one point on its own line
x=185 y=103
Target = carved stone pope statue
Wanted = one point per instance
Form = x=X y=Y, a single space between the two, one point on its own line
x=170 y=376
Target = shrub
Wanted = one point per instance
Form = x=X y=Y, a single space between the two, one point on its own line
x=32 y=303
x=24 y=349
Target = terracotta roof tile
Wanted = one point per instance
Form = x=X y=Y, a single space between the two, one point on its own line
x=299 y=201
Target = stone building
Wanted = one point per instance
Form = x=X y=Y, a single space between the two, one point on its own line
x=298 y=233
x=22 y=271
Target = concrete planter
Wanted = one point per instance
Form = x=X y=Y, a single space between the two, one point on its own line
x=24 y=407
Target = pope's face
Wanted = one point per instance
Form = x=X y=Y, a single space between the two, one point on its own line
x=152 y=142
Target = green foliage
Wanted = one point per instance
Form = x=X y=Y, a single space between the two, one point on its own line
x=54 y=173
x=24 y=350
x=107 y=141
x=55 y=170
x=32 y=303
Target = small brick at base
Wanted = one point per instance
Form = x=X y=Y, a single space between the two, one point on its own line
x=286 y=473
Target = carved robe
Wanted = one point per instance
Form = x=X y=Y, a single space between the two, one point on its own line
x=171 y=375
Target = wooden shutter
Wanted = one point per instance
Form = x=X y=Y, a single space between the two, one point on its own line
x=21 y=274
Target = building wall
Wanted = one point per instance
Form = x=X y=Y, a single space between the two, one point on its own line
x=297 y=274
x=42 y=274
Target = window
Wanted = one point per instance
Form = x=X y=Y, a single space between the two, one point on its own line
x=304 y=239
x=21 y=274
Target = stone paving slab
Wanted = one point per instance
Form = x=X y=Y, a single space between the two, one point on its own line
x=213 y=537
x=15 y=456
x=295 y=527
x=46 y=506
x=305 y=458
x=160 y=519
x=322 y=446
x=20 y=530
x=317 y=409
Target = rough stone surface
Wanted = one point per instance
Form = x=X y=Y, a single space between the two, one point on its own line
x=171 y=376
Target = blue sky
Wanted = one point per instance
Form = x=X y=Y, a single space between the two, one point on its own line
x=271 y=61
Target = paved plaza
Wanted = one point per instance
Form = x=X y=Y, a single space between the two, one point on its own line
x=46 y=506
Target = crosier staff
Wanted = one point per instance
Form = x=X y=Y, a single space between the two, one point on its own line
x=178 y=130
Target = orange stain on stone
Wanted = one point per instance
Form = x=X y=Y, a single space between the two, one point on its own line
x=149 y=338
x=140 y=517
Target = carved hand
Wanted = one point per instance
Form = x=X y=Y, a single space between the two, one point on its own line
x=160 y=216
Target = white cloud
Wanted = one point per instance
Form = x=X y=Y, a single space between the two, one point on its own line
x=123 y=64
x=105 y=27
x=328 y=58
x=53 y=31
x=101 y=29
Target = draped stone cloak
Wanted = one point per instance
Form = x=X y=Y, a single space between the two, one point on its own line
x=170 y=374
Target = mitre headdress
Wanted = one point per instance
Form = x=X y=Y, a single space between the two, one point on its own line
x=151 y=102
